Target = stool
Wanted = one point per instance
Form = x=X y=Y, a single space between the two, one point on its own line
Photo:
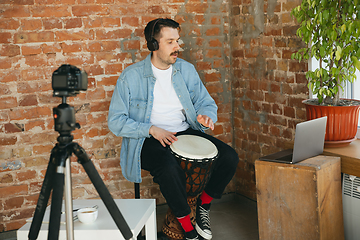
x=300 y=201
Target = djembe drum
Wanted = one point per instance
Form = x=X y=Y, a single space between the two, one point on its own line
x=196 y=156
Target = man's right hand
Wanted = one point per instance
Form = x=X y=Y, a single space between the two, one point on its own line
x=163 y=136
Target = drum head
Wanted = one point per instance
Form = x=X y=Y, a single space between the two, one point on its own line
x=194 y=147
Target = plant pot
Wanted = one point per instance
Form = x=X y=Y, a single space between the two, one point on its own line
x=342 y=122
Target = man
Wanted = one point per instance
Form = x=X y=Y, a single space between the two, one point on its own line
x=156 y=100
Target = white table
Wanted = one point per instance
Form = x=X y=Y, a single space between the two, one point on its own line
x=137 y=213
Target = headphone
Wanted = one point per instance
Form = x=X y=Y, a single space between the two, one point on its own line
x=153 y=44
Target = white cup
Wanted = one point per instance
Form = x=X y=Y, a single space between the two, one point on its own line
x=87 y=215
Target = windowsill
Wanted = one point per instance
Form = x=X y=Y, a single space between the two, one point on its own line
x=350 y=157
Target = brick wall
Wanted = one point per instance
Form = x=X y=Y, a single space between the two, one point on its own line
x=101 y=37
x=268 y=86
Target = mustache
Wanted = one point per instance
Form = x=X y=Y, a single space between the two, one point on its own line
x=176 y=52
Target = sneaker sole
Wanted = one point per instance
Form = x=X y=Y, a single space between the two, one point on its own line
x=202 y=233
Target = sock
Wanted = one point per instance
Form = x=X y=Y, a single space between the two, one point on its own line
x=205 y=198
x=185 y=223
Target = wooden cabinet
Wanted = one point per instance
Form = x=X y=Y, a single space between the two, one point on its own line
x=300 y=201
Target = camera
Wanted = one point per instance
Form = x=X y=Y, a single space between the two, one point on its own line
x=68 y=80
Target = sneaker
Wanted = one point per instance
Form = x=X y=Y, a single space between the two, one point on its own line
x=203 y=220
x=192 y=235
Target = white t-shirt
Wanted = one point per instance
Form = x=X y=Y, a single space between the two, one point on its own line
x=167 y=112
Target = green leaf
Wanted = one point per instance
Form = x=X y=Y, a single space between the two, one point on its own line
x=322 y=51
x=338 y=53
x=343 y=28
x=356 y=62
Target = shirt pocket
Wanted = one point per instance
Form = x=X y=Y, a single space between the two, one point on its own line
x=137 y=109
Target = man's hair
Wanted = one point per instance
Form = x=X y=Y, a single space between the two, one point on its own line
x=153 y=28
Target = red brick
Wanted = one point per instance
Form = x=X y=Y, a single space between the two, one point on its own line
x=280 y=42
x=23 y=2
x=36 y=60
x=7 y=102
x=131 y=21
x=51 y=11
x=295 y=66
x=109 y=163
x=196 y=7
x=114 y=68
x=215 y=43
x=111 y=22
x=30 y=113
x=87 y=10
x=14 y=190
x=31 y=24
x=39 y=124
x=289 y=112
x=28 y=100
x=8 y=140
x=94 y=70
x=51 y=48
x=5 y=37
x=92 y=22
x=287 y=53
x=215 y=88
x=113 y=34
x=131 y=45
x=96 y=94
x=27 y=175
x=72 y=47
x=9 y=24
x=34 y=37
x=20 y=214
x=13 y=127
x=52 y=23
x=289 y=5
x=6 y=178
x=112 y=45
x=100 y=106
x=300 y=78
x=212 y=77
x=213 y=53
x=107 y=81
x=10 y=50
x=72 y=23
x=213 y=32
x=270 y=31
x=203 y=66
x=31 y=50
x=73 y=35
x=14 y=11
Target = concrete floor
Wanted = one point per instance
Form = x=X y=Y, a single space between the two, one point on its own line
x=233 y=217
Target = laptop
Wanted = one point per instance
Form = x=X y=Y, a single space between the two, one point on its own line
x=309 y=142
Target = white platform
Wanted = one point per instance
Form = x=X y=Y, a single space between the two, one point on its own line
x=137 y=213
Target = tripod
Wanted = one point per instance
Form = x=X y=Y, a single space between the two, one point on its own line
x=64 y=117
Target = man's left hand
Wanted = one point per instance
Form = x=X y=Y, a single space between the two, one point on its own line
x=205 y=121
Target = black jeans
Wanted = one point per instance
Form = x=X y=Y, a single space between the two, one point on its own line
x=166 y=171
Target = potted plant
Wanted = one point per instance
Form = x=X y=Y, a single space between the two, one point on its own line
x=331 y=30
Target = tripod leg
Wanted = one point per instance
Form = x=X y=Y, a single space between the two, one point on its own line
x=42 y=201
x=108 y=200
x=103 y=191
x=56 y=203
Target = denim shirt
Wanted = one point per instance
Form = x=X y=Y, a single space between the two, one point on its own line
x=132 y=102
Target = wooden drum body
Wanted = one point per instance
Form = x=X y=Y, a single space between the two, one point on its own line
x=196 y=156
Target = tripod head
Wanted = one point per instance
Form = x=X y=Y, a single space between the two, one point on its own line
x=67 y=81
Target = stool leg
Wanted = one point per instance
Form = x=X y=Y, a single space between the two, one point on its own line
x=137 y=190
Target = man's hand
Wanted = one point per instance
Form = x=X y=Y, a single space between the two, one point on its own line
x=205 y=121
x=163 y=136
